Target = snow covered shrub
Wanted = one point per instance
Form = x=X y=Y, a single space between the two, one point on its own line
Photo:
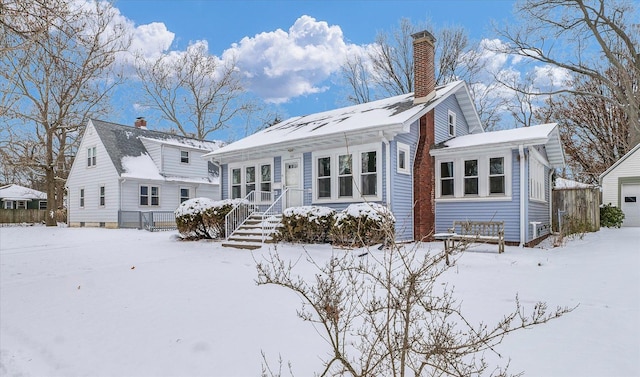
x=308 y=224
x=363 y=224
x=204 y=218
x=611 y=216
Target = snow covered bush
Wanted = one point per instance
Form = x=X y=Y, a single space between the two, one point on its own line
x=308 y=224
x=363 y=224
x=610 y=216
x=202 y=218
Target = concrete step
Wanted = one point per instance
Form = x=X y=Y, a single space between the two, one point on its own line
x=242 y=245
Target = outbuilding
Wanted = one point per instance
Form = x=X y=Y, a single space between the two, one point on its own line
x=621 y=186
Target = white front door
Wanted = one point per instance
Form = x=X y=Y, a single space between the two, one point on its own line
x=630 y=204
x=292 y=181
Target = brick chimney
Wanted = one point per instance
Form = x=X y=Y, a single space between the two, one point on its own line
x=141 y=123
x=424 y=68
x=423 y=168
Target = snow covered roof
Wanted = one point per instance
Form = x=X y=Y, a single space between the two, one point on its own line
x=627 y=155
x=562 y=183
x=129 y=154
x=17 y=192
x=544 y=134
x=394 y=114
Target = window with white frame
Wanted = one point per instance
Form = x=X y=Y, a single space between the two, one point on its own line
x=184 y=157
x=496 y=176
x=102 y=196
x=81 y=198
x=91 y=156
x=42 y=204
x=451 y=122
x=8 y=204
x=369 y=174
x=21 y=204
x=236 y=183
x=403 y=158
x=324 y=178
x=536 y=179
x=256 y=177
x=341 y=176
x=471 y=177
x=447 y=179
x=149 y=196
x=345 y=176
x=184 y=194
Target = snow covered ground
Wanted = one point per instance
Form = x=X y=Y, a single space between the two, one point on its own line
x=99 y=302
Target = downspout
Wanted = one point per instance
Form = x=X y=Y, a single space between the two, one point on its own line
x=551 y=171
x=122 y=181
x=523 y=221
x=387 y=169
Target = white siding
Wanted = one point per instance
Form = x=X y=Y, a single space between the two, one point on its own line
x=169 y=198
x=629 y=168
x=172 y=165
x=91 y=178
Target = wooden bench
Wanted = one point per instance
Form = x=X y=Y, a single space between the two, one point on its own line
x=466 y=232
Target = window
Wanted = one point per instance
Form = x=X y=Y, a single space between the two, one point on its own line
x=536 y=179
x=369 y=176
x=149 y=195
x=250 y=179
x=403 y=158
x=452 y=123
x=21 y=204
x=91 y=156
x=81 y=198
x=630 y=199
x=8 y=204
x=102 y=194
x=324 y=177
x=471 y=177
x=184 y=157
x=184 y=195
x=236 y=184
x=446 y=178
x=496 y=175
x=42 y=204
x=265 y=178
x=345 y=176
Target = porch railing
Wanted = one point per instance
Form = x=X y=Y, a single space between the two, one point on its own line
x=269 y=216
x=253 y=202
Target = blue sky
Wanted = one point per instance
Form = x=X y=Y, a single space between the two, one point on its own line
x=303 y=80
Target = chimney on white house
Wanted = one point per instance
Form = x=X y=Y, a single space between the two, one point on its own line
x=141 y=123
x=424 y=69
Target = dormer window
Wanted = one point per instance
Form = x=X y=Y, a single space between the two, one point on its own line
x=452 y=123
x=184 y=157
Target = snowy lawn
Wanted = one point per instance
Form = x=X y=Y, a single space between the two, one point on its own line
x=99 y=302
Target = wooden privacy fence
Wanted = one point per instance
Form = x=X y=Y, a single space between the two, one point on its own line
x=32 y=216
x=576 y=205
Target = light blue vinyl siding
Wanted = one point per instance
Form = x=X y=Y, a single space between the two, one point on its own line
x=442 y=120
x=507 y=211
x=277 y=169
x=307 y=176
x=402 y=186
x=540 y=211
x=224 y=181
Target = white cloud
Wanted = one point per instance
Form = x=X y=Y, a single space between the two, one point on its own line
x=151 y=40
x=280 y=65
x=550 y=77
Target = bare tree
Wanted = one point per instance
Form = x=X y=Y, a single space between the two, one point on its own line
x=388 y=314
x=595 y=133
x=586 y=37
x=53 y=83
x=193 y=90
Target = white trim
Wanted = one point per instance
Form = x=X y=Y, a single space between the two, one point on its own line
x=256 y=164
x=356 y=153
x=402 y=147
x=452 y=123
x=188 y=157
x=483 y=176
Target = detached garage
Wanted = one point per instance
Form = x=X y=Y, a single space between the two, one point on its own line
x=621 y=186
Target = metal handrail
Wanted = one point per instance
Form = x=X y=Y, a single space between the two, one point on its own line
x=242 y=210
x=270 y=214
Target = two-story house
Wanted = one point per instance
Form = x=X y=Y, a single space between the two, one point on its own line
x=126 y=169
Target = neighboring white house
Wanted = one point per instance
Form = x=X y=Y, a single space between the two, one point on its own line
x=127 y=170
x=20 y=197
x=621 y=186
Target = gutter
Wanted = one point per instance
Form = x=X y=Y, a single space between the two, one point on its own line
x=523 y=222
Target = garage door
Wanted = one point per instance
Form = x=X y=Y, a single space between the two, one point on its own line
x=630 y=204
